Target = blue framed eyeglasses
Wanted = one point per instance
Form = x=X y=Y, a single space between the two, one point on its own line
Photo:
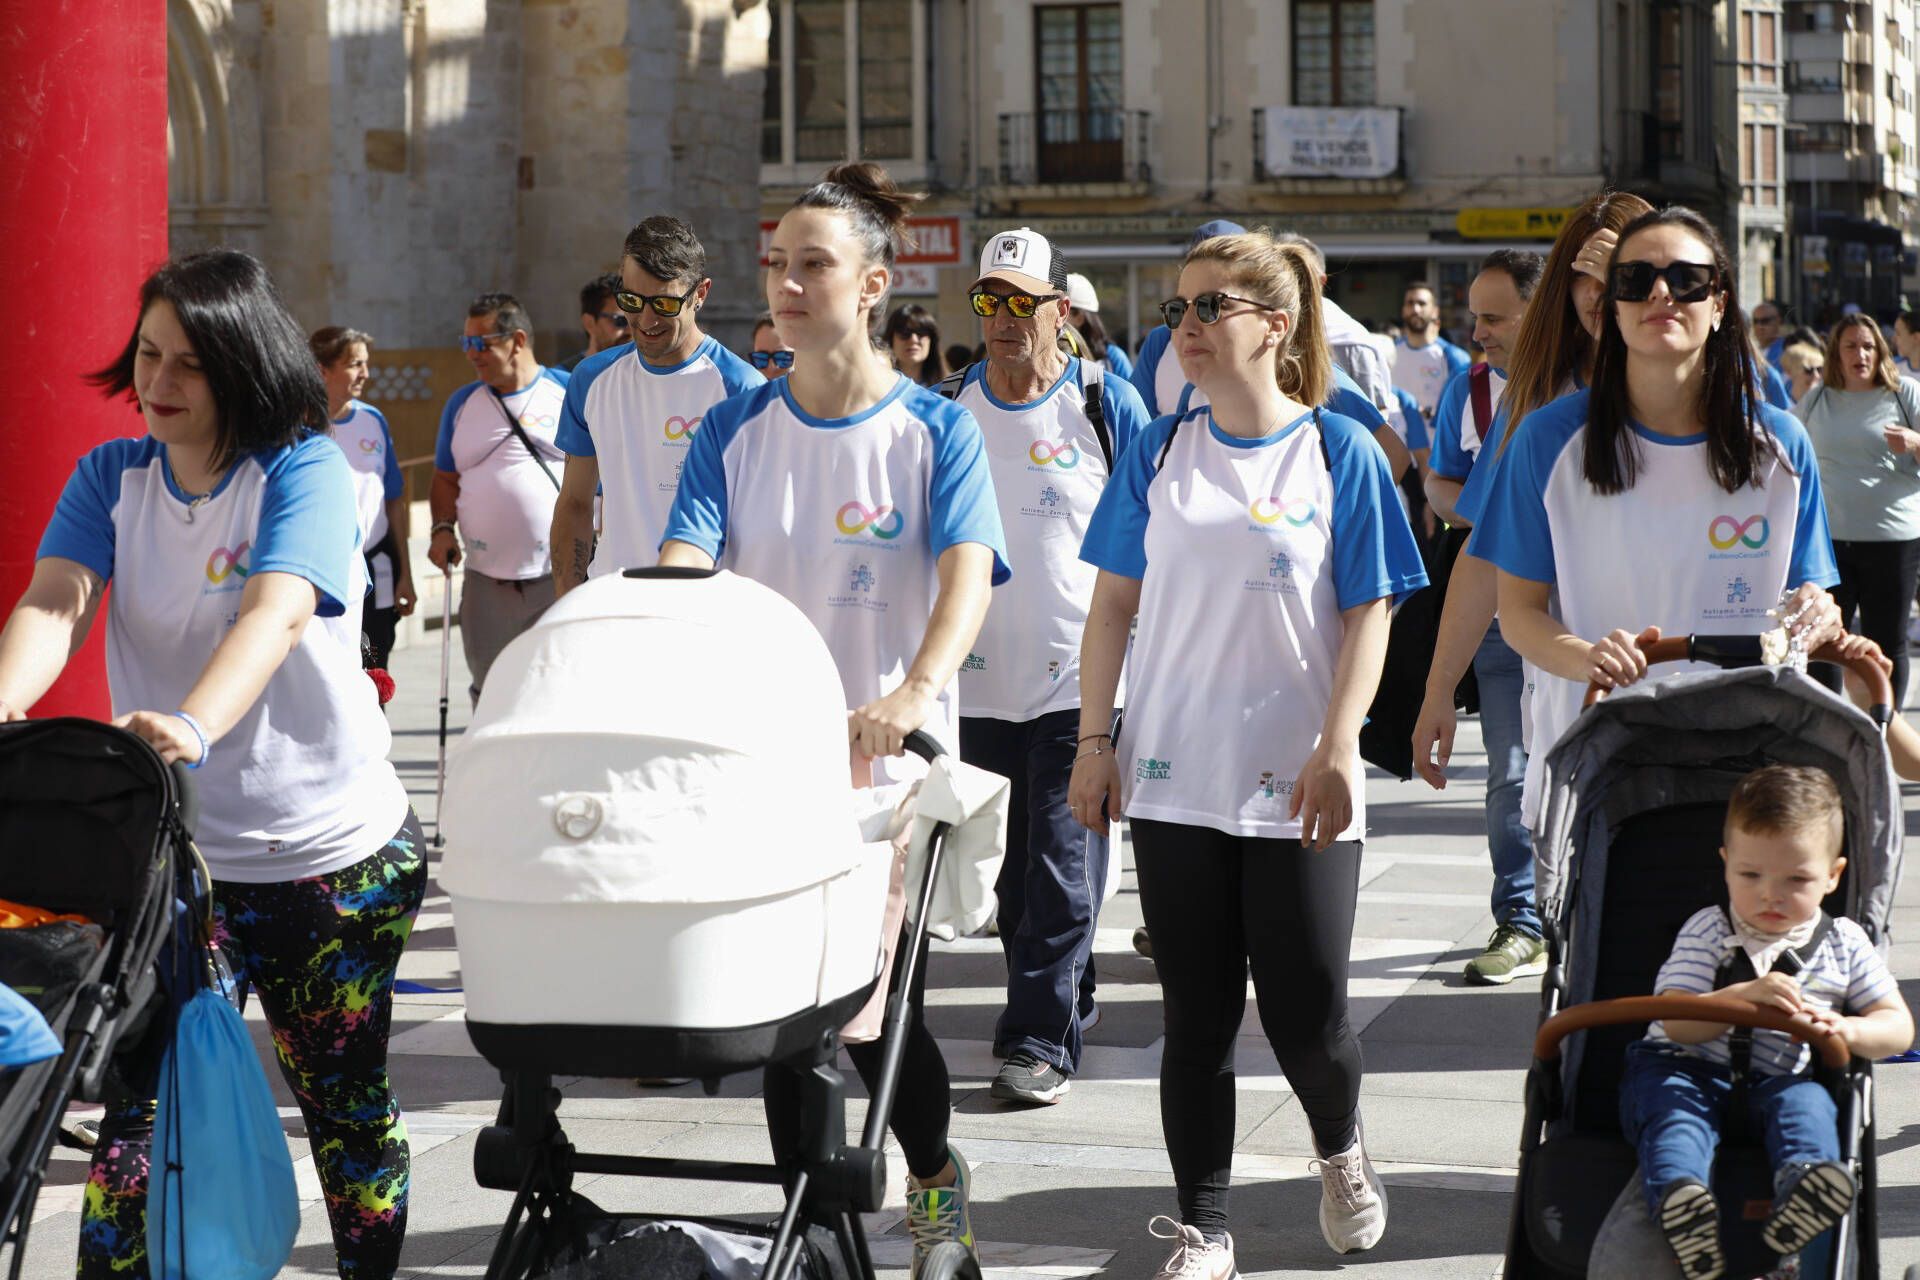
x=778 y=359
x=474 y=344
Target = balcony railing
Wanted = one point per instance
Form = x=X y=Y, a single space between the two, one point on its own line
x=1058 y=148
x=1261 y=173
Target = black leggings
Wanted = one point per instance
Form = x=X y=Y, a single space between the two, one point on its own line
x=1213 y=903
x=1878 y=579
x=922 y=1105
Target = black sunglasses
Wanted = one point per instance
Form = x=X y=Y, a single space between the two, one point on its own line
x=1022 y=305
x=1686 y=281
x=778 y=359
x=1206 y=307
x=663 y=304
x=618 y=318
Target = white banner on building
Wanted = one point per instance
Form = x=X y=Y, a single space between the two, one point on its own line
x=1332 y=142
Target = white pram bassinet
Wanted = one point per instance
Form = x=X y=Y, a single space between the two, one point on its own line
x=652 y=859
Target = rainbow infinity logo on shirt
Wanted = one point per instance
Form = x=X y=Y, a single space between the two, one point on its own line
x=1725 y=531
x=369 y=445
x=223 y=563
x=679 y=428
x=1298 y=513
x=882 y=522
x=1065 y=456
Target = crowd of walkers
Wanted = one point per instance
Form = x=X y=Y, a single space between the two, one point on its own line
x=1003 y=545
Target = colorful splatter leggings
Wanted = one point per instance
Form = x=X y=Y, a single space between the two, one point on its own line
x=321 y=953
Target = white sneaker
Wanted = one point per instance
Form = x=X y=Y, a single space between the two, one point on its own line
x=1194 y=1257
x=1353 y=1200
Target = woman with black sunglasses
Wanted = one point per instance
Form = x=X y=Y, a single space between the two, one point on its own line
x=1261 y=542
x=914 y=339
x=1865 y=422
x=1665 y=499
x=770 y=355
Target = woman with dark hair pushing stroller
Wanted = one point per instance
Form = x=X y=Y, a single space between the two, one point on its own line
x=1665 y=499
x=229 y=535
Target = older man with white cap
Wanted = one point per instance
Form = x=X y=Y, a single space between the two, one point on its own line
x=1053 y=424
x=1083 y=313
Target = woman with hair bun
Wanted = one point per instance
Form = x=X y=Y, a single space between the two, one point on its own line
x=866 y=500
x=1261 y=543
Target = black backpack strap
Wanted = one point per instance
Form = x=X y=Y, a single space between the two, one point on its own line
x=1166 y=446
x=1480 y=392
x=1320 y=429
x=1093 y=389
x=950 y=385
x=513 y=424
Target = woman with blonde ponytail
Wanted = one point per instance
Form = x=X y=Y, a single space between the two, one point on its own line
x=1261 y=544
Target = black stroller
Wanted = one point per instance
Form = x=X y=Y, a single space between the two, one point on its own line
x=1635 y=798
x=92 y=823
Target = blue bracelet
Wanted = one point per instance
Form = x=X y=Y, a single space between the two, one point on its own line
x=199 y=733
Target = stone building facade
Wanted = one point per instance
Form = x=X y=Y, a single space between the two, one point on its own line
x=390 y=159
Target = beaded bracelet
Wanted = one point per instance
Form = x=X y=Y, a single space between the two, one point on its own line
x=447 y=525
x=199 y=733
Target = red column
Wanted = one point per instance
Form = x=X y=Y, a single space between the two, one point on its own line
x=83 y=218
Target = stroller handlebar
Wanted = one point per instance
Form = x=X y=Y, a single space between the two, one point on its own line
x=1734 y=1012
x=1750 y=651
x=186 y=798
x=921 y=743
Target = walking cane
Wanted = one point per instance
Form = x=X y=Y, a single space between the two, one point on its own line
x=446 y=657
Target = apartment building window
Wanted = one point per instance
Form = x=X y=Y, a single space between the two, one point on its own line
x=1760 y=165
x=1818 y=77
x=1821 y=136
x=844 y=78
x=1081 y=125
x=1760 y=49
x=1333 y=53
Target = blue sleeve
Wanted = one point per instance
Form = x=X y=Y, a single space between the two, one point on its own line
x=1147 y=366
x=699 y=514
x=1417 y=437
x=961 y=503
x=394 y=485
x=1514 y=533
x=1472 y=502
x=1375 y=555
x=1118 y=361
x=572 y=435
x=443 y=442
x=736 y=375
x=1777 y=392
x=1117 y=535
x=1126 y=415
x=1812 y=557
x=1458 y=361
x=309 y=525
x=1349 y=401
x=1448 y=460
x=81 y=529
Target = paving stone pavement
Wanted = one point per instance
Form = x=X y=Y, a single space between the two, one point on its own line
x=1065 y=1191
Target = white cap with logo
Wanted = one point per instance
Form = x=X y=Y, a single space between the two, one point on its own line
x=1023 y=259
x=1080 y=292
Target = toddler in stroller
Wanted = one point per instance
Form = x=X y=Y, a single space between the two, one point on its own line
x=1774 y=947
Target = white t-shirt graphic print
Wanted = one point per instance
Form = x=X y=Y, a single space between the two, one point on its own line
x=847 y=518
x=1248 y=551
x=1048 y=473
x=1675 y=551
x=301 y=785
x=639 y=420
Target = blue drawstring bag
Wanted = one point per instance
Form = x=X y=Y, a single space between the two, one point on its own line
x=221 y=1203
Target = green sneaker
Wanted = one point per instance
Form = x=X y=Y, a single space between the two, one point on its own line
x=1511 y=953
x=936 y=1215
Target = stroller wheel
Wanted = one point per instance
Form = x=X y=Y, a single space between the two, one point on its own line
x=950 y=1261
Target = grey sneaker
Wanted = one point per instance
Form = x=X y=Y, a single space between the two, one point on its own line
x=1690 y=1220
x=1026 y=1077
x=937 y=1215
x=1811 y=1198
x=1511 y=953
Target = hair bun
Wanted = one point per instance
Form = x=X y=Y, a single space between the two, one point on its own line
x=874 y=187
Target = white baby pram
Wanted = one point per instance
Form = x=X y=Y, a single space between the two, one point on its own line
x=656 y=870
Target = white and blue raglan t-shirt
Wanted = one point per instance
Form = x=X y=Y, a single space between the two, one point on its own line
x=363 y=435
x=506 y=501
x=1676 y=551
x=1158 y=378
x=1048 y=472
x=301 y=785
x=639 y=420
x=1426 y=371
x=847 y=518
x=1248 y=551
x=1458 y=433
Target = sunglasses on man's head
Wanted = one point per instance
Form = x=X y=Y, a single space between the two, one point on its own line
x=778 y=359
x=1207 y=307
x=1021 y=305
x=663 y=304
x=1686 y=281
x=474 y=344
